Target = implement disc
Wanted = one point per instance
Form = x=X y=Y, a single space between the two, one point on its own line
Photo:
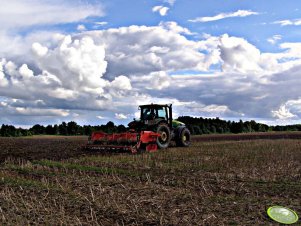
x=282 y=215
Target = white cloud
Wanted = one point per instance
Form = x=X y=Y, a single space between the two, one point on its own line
x=120 y=116
x=122 y=83
x=161 y=9
x=141 y=50
x=81 y=27
x=273 y=40
x=25 y=72
x=289 y=110
x=239 y=13
x=19 y=13
x=3 y=79
x=296 y=22
x=62 y=93
x=239 y=55
x=283 y=113
x=102 y=23
x=18 y=16
x=41 y=112
x=39 y=50
x=211 y=110
x=70 y=77
x=174 y=27
x=154 y=81
x=170 y=2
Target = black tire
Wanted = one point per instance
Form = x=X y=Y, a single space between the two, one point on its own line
x=164 y=140
x=184 y=138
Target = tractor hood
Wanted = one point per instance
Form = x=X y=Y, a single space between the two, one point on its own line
x=176 y=123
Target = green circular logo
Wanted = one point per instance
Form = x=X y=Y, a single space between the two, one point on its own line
x=282 y=215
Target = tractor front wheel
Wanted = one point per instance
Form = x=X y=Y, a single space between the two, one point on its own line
x=164 y=140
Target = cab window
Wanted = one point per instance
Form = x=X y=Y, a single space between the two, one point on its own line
x=148 y=114
x=161 y=113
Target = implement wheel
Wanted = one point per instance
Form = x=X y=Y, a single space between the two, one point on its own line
x=164 y=140
x=184 y=138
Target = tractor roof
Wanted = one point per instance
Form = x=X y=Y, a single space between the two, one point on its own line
x=154 y=105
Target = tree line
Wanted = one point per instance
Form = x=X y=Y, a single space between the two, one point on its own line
x=65 y=129
x=197 y=126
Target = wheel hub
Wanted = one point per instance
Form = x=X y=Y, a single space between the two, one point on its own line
x=163 y=136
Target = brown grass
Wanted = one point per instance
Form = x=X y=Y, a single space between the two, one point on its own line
x=210 y=183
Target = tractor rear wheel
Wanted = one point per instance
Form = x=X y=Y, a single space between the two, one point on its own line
x=184 y=138
x=164 y=140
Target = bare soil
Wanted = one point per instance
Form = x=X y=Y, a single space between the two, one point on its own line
x=41 y=147
x=219 y=180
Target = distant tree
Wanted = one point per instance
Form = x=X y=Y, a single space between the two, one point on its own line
x=237 y=127
x=55 y=129
x=213 y=129
x=63 y=129
x=38 y=129
x=278 y=128
x=110 y=127
x=110 y=124
x=121 y=128
x=87 y=130
x=72 y=128
x=196 y=130
x=8 y=131
x=204 y=129
x=191 y=129
x=49 y=130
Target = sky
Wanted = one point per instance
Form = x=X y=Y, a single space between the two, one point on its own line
x=92 y=61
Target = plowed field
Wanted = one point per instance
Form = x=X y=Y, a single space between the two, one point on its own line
x=219 y=180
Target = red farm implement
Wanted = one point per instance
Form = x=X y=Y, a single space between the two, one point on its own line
x=123 y=142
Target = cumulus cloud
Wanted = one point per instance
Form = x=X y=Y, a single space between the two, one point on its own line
x=239 y=55
x=70 y=77
x=77 y=63
x=239 y=13
x=161 y=9
x=25 y=72
x=122 y=82
x=39 y=50
x=154 y=81
x=141 y=50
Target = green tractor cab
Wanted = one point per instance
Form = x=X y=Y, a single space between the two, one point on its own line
x=158 y=118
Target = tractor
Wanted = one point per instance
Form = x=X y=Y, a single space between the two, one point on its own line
x=155 y=129
x=158 y=118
